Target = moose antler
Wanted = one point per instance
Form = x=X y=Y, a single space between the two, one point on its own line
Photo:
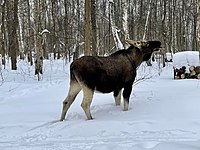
x=138 y=44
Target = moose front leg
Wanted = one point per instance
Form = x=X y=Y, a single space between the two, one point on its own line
x=126 y=96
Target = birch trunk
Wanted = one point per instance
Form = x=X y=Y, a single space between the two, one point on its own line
x=117 y=41
x=21 y=37
x=145 y=30
x=147 y=20
x=125 y=21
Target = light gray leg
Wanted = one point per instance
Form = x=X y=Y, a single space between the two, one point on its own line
x=126 y=104
x=126 y=95
x=87 y=100
x=74 y=89
x=117 y=96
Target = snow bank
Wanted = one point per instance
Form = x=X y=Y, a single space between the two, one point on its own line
x=186 y=58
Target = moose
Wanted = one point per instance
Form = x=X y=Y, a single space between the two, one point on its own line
x=107 y=74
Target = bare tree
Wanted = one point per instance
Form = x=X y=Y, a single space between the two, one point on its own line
x=2 y=34
x=43 y=28
x=30 y=59
x=115 y=31
x=93 y=27
x=12 y=25
x=39 y=52
x=163 y=29
x=87 y=34
x=147 y=20
x=125 y=21
x=198 y=25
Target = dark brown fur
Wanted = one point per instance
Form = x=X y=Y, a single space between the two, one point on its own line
x=108 y=74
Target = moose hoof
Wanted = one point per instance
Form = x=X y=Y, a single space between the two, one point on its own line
x=126 y=109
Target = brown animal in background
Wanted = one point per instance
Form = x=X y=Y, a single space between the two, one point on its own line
x=107 y=74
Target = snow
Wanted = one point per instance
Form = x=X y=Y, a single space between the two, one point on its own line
x=163 y=114
x=169 y=56
x=186 y=58
x=111 y=1
x=45 y=31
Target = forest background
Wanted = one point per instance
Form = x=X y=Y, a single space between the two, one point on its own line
x=34 y=29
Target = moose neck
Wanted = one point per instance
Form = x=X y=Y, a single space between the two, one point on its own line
x=135 y=57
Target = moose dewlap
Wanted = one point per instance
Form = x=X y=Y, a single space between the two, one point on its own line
x=107 y=74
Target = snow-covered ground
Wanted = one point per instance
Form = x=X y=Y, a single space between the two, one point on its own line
x=164 y=113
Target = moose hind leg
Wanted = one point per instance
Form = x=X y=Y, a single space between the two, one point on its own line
x=74 y=89
x=117 y=96
x=126 y=95
x=87 y=100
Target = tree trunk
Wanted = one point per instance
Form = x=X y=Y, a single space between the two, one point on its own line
x=117 y=41
x=39 y=54
x=54 y=40
x=145 y=30
x=66 y=34
x=30 y=59
x=94 y=27
x=43 y=27
x=77 y=49
x=2 y=35
x=87 y=36
x=125 y=21
x=164 y=32
x=147 y=20
x=198 y=25
x=12 y=24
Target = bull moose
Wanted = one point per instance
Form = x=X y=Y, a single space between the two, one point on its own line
x=107 y=74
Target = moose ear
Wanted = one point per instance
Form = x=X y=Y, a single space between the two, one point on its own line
x=138 y=44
